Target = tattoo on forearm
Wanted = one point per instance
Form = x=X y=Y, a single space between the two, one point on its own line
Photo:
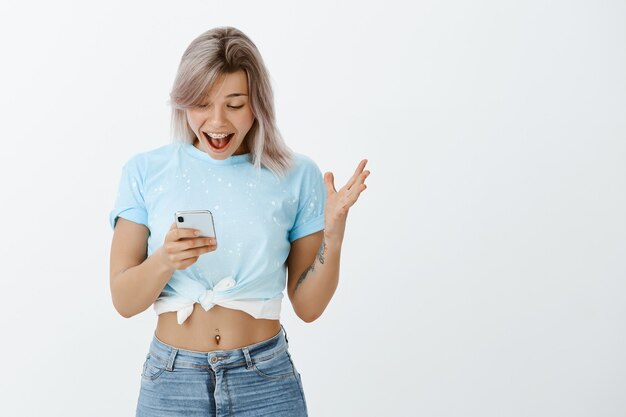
x=322 y=252
x=320 y=257
x=303 y=276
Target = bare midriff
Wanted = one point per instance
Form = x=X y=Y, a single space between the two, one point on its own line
x=220 y=328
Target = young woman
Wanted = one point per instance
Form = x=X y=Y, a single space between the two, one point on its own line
x=219 y=348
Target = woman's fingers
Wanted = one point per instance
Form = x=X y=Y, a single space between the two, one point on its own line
x=357 y=188
x=189 y=247
x=176 y=233
x=192 y=253
x=190 y=243
x=178 y=258
x=360 y=179
x=182 y=246
x=329 y=181
x=352 y=195
x=196 y=243
x=355 y=176
x=355 y=196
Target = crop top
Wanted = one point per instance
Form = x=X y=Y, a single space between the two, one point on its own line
x=256 y=216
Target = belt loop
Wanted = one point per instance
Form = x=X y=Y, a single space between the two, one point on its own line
x=170 y=361
x=285 y=331
x=246 y=353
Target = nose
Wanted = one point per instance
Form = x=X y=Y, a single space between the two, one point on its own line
x=215 y=117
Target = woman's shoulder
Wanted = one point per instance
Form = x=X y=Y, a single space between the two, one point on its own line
x=304 y=170
x=154 y=156
x=303 y=163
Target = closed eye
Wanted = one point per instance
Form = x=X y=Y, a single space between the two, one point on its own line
x=204 y=106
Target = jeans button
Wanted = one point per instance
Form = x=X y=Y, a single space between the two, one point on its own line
x=214 y=359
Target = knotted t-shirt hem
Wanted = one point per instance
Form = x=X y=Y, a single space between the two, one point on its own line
x=259 y=309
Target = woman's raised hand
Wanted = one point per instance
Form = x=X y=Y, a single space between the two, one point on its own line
x=182 y=247
x=338 y=203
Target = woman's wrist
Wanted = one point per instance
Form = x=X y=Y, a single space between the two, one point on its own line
x=333 y=241
x=159 y=257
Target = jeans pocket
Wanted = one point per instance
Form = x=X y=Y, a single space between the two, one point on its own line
x=278 y=366
x=152 y=368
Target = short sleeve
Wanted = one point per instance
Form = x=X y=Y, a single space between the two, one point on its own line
x=129 y=203
x=311 y=202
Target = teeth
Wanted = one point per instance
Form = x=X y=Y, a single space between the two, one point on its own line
x=218 y=135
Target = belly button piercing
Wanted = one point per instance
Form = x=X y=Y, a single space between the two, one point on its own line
x=217 y=339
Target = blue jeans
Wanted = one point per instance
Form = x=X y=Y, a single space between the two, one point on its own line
x=254 y=380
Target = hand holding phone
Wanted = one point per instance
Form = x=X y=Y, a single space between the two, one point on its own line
x=182 y=247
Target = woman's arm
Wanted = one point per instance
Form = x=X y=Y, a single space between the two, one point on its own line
x=313 y=274
x=137 y=279
x=313 y=262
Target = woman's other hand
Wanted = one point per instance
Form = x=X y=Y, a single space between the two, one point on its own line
x=338 y=203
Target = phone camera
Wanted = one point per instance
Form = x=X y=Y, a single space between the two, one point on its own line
x=181 y=219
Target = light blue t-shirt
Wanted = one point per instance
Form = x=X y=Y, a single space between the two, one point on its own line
x=256 y=216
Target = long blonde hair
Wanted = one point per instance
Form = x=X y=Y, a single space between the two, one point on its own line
x=220 y=51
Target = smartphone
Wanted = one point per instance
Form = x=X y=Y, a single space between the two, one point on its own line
x=196 y=219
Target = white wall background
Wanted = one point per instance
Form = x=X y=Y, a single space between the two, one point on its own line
x=484 y=268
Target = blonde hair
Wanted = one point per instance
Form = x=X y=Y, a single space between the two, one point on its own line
x=225 y=50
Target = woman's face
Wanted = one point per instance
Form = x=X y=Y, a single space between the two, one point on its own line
x=223 y=120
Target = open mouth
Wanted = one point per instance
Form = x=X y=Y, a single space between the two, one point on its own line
x=218 y=144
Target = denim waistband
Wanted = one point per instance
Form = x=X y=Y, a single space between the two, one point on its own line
x=172 y=357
